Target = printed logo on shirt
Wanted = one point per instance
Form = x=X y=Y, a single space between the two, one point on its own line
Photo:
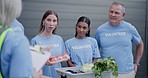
x=81 y=47
x=114 y=34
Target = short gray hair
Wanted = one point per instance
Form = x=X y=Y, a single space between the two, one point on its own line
x=9 y=10
x=119 y=3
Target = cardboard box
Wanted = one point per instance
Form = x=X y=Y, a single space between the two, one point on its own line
x=78 y=74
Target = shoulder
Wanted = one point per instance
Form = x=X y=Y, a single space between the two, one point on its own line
x=128 y=25
x=70 y=40
x=57 y=37
x=34 y=39
x=91 y=39
x=102 y=27
x=16 y=38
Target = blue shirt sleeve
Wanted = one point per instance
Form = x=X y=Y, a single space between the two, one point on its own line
x=96 y=52
x=33 y=42
x=135 y=36
x=97 y=37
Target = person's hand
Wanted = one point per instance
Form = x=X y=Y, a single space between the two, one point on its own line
x=135 y=68
x=47 y=48
x=51 y=63
x=37 y=74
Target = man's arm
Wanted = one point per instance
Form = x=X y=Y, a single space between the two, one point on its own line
x=139 y=52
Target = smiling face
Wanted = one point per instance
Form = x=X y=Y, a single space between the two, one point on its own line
x=116 y=14
x=50 y=23
x=81 y=29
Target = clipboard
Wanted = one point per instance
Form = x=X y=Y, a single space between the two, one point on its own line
x=39 y=59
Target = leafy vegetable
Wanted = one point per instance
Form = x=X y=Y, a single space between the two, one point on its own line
x=107 y=64
x=87 y=67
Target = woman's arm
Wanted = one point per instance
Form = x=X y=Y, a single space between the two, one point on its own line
x=70 y=64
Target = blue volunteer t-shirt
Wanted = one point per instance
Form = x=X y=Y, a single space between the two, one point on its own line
x=16 y=59
x=116 y=41
x=82 y=51
x=57 y=48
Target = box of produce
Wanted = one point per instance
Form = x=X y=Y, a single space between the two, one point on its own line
x=102 y=68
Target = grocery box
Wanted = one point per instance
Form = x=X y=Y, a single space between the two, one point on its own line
x=74 y=72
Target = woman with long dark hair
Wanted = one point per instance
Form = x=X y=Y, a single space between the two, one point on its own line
x=48 y=37
x=82 y=48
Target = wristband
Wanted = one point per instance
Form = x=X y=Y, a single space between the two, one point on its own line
x=136 y=63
